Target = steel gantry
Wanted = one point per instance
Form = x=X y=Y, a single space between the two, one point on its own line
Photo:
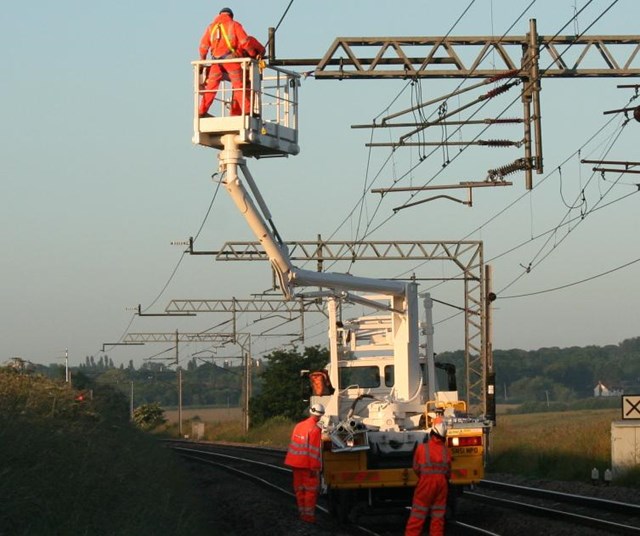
x=466 y=255
x=243 y=340
x=261 y=305
x=527 y=58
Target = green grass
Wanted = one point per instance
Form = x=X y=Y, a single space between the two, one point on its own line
x=273 y=433
x=551 y=445
x=560 y=446
x=80 y=468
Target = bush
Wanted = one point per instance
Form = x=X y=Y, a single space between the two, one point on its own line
x=149 y=416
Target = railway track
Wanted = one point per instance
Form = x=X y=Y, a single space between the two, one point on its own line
x=264 y=466
x=492 y=508
x=587 y=515
x=612 y=517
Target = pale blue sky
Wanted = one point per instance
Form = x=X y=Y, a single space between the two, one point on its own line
x=98 y=175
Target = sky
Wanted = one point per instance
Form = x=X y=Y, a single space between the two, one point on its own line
x=98 y=176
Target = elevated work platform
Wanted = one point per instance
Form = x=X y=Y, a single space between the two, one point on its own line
x=265 y=122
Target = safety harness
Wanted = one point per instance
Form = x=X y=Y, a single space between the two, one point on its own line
x=220 y=29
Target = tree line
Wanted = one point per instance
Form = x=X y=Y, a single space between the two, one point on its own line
x=561 y=374
x=545 y=375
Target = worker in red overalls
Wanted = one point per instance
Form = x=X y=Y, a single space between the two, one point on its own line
x=224 y=37
x=251 y=49
x=304 y=456
x=432 y=464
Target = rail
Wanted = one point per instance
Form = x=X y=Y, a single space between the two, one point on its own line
x=264 y=466
x=611 y=516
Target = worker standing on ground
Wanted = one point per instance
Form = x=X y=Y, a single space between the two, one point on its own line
x=432 y=464
x=224 y=37
x=304 y=456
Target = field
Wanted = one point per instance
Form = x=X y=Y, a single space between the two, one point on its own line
x=558 y=446
x=562 y=446
x=204 y=414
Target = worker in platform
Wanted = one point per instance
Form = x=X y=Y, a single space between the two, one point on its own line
x=225 y=39
x=304 y=456
x=432 y=464
x=252 y=48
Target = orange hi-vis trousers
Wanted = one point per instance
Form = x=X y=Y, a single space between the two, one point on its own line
x=306 y=484
x=429 y=499
x=232 y=72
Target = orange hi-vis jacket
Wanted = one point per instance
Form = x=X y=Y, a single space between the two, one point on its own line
x=252 y=48
x=305 y=447
x=432 y=458
x=223 y=37
x=432 y=464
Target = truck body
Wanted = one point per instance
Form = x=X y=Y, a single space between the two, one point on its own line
x=370 y=432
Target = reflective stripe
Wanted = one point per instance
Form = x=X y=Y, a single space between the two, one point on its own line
x=418 y=515
x=434 y=472
x=304 y=450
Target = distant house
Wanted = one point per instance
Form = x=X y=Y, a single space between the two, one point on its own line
x=602 y=390
x=19 y=365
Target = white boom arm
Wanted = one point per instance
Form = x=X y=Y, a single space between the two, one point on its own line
x=404 y=295
x=230 y=159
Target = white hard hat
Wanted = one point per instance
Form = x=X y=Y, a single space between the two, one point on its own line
x=317 y=409
x=439 y=428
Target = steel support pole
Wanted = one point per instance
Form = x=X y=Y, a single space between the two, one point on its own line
x=534 y=57
x=131 y=402
x=179 y=370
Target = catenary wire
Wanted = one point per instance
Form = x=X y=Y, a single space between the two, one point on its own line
x=535 y=261
x=538 y=185
x=462 y=150
x=386 y=162
x=625 y=265
x=133 y=317
x=502 y=211
x=559 y=169
x=175 y=270
x=435 y=150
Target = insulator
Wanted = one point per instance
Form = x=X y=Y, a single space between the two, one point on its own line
x=504 y=121
x=499 y=90
x=520 y=164
x=505 y=74
x=498 y=143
